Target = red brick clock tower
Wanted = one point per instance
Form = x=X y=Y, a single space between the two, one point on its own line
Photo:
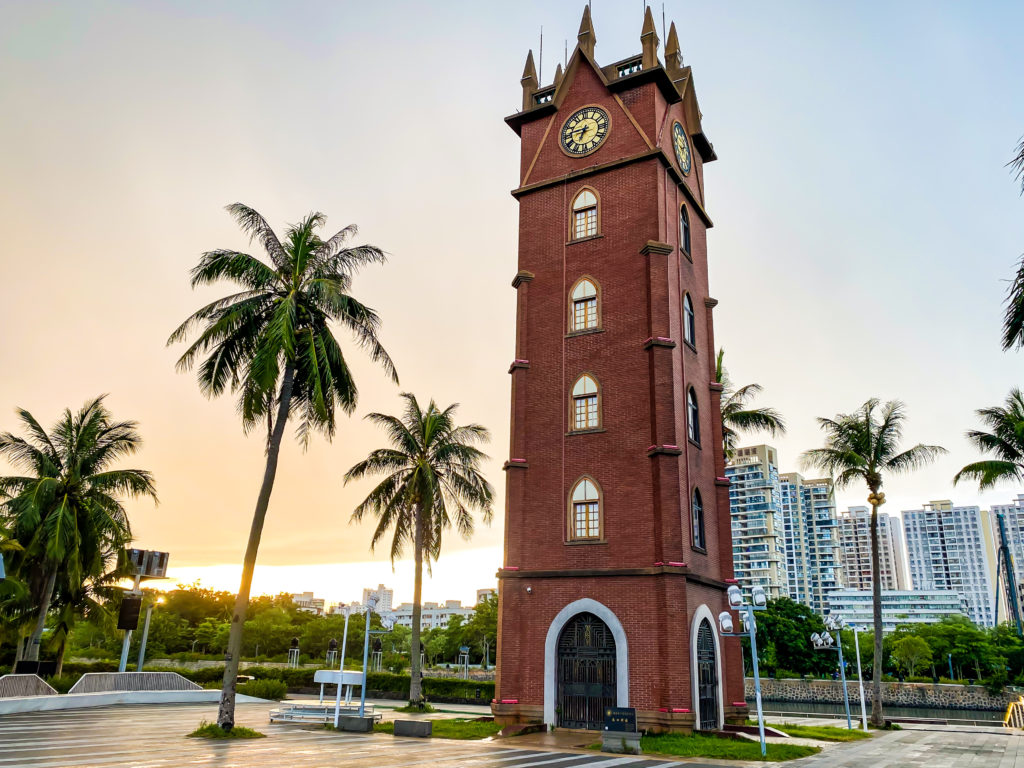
x=617 y=531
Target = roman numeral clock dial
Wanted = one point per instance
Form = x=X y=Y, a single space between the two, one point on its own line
x=584 y=131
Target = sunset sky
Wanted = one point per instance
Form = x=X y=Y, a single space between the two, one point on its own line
x=865 y=224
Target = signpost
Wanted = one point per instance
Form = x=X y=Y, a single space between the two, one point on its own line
x=620 y=734
x=620 y=719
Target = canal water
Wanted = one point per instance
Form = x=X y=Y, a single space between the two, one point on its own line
x=821 y=709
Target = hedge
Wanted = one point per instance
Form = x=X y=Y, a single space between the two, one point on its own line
x=378 y=684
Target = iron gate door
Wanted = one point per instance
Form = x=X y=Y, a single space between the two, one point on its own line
x=707 y=680
x=586 y=672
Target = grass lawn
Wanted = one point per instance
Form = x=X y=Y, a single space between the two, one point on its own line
x=682 y=745
x=822 y=732
x=455 y=728
x=420 y=709
x=214 y=731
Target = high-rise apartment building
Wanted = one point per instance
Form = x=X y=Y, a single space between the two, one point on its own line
x=810 y=528
x=755 y=505
x=951 y=547
x=1013 y=518
x=855 y=543
x=385 y=597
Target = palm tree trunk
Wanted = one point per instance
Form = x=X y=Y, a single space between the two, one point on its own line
x=877 y=716
x=415 y=689
x=226 y=713
x=60 y=657
x=32 y=653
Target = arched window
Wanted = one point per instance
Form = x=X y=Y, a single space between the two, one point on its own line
x=586 y=403
x=697 y=515
x=689 y=322
x=692 y=417
x=584 y=214
x=684 y=230
x=585 y=510
x=583 y=309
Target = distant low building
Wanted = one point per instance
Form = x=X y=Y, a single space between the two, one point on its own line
x=919 y=606
x=305 y=601
x=432 y=615
x=483 y=594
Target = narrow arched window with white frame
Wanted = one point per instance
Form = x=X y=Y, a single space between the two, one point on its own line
x=684 y=230
x=697 y=520
x=585 y=214
x=584 y=309
x=689 y=322
x=585 y=511
x=586 y=403
x=692 y=417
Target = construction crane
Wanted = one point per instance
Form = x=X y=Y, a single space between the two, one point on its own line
x=1005 y=576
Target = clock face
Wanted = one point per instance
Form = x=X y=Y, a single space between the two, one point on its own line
x=585 y=131
x=682 y=147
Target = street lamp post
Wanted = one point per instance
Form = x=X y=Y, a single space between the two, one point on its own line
x=749 y=624
x=145 y=633
x=825 y=642
x=860 y=679
x=371 y=603
x=344 y=637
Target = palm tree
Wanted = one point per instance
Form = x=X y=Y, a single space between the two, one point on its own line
x=737 y=416
x=272 y=344
x=864 y=445
x=1005 y=442
x=431 y=480
x=1013 y=322
x=67 y=512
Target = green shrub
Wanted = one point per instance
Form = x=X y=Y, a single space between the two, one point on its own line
x=918 y=679
x=785 y=674
x=213 y=731
x=63 y=683
x=274 y=690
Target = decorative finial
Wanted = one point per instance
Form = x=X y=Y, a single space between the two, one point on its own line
x=586 y=35
x=649 y=41
x=558 y=75
x=529 y=81
x=673 y=56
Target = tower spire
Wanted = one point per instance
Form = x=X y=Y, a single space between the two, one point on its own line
x=673 y=56
x=649 y=41
x=558 y=75
x=529 y=81
x=586 y=35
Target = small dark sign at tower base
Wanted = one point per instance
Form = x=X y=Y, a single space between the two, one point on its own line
x=619 y=734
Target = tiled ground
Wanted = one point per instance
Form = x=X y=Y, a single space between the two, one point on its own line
x=153 y=737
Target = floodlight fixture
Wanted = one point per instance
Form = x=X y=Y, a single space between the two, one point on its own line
x=725 y=622
x=371 y=602
x=759 y=596
x=815 y=638
x=735 y=596
x=388 y=621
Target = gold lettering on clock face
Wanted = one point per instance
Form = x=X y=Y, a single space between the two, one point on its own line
x=584 y=131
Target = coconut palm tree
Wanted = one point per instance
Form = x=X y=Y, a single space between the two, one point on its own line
x=431 y=481
x=737 y=416
x=272 y=344
x=865 y=445
x=1013 y=322
x=1005 y=442
x=67 y=512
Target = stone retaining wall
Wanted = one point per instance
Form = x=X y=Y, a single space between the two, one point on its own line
x=893 y=694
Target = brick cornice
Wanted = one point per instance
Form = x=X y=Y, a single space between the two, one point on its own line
x=523 y=276
x=714 y=386
x=659 y=341
x=679 y=571
x=515 y=464
x=517 y=364
x=664 y=450
x=710 y=303
x=653 y=246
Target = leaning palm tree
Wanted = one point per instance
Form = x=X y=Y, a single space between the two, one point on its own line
x=865 y=445
x=1005 y=442
x=272 y=344
x=431 y=480
x=1013 y=321
x=737 y=416
x=67 y=511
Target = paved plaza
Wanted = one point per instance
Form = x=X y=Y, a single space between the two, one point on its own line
x=140 y=737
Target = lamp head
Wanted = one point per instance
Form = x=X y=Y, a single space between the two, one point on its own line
x=759 y=597
x=371 y=602
x=735 y=596
x=827 y=639
x=725 y=622
x=388 y=621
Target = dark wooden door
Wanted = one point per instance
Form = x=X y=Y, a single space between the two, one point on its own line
x=707 y=678
x=586 y=672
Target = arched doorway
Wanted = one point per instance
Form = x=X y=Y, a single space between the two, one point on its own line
x=707 y=678
x=586 y=672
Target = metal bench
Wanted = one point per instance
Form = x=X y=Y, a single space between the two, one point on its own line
x=316 y=713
